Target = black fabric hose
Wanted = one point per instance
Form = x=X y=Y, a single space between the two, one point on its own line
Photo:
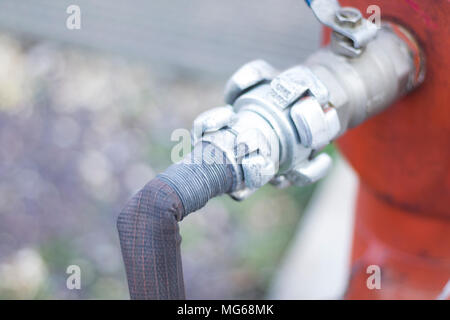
x=148 y=225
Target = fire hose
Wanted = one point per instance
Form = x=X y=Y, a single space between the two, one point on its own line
x=271 y=130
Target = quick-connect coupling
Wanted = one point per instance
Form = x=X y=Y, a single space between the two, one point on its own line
x=274 y=124
x=271 y=130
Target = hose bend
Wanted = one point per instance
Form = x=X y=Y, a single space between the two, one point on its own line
x=148 y=225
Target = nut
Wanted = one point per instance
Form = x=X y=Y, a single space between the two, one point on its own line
x=348 y=16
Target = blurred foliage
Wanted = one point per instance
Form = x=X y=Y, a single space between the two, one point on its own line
x=81 y=132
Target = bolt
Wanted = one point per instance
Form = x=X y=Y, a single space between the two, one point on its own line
x=348 y=16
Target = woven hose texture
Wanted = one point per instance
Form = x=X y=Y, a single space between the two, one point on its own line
x=148 y=225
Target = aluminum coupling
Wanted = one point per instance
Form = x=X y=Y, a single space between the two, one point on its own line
x=275 y=124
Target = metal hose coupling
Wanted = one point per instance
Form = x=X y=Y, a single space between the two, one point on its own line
x=275 y=124
x=271 y=130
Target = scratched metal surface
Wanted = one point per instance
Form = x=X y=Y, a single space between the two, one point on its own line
x=199 y=35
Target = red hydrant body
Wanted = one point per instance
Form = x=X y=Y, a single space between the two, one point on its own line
x=402 y=157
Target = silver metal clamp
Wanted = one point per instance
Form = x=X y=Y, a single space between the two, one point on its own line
x=351 y=32
x=275 y=124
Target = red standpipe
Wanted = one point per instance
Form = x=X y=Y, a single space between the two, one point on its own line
x=402 y=157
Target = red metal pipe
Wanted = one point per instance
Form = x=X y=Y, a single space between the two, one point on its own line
x=402 y=158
